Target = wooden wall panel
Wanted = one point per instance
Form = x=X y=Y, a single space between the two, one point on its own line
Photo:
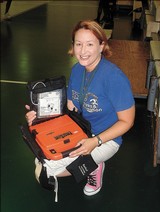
x=131 y=57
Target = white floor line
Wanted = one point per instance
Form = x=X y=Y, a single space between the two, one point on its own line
x=13 y=82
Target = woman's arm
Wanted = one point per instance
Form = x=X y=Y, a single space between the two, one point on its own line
x=124 y=123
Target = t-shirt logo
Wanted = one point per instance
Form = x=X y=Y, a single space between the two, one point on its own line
x=91 y=103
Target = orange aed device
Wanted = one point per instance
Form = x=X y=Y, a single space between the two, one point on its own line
x=57 y=137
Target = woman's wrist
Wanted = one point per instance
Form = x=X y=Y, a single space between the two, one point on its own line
x=99 y=140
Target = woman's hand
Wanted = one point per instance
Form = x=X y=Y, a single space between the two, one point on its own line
x=71 y=106
x=87 y=146
x=30 y=116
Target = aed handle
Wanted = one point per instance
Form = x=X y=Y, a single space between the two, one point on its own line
x=29 y=140
x=67 y=152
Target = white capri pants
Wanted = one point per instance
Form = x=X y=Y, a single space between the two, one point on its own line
x=99 y=154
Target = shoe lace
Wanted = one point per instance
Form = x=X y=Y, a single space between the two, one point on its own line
x=92 y=179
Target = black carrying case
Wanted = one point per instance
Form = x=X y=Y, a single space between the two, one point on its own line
x=47 y=85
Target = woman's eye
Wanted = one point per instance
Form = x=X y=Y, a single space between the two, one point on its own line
x=78 y=44
x=90 y=44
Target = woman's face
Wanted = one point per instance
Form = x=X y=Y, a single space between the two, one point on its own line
x=87 y=49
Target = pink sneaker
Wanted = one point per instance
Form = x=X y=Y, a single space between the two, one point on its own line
x=94 y=181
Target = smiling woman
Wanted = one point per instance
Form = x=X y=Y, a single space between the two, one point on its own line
x=100 y=91
x=130 y=183
x=87 y=49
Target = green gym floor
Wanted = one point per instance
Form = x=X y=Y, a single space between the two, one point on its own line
x=34 y=46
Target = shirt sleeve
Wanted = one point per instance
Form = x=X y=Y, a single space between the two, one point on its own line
x=120 y=92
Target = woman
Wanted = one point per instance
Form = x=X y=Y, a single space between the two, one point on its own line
x=101 y=92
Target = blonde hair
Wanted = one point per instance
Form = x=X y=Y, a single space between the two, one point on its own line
x=97 y=30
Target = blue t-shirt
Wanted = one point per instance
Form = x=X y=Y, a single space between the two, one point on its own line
x=107 y=93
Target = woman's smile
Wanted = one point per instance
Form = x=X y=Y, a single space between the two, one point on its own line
x=87 y=49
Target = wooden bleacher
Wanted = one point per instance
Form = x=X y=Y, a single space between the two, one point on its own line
x=131 y=57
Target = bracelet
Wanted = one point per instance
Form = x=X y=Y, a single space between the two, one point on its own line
x=99 y=141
